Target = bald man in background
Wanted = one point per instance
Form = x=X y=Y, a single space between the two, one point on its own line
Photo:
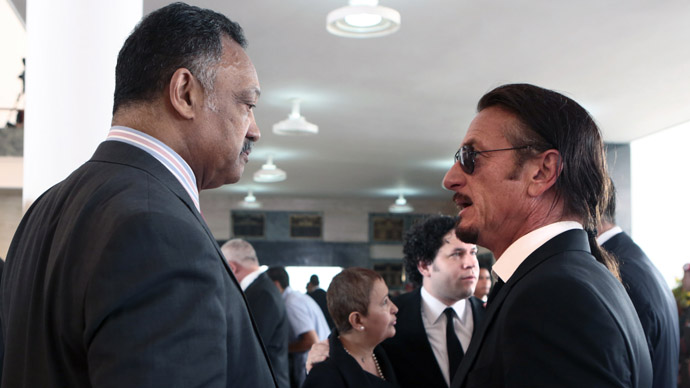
x=265 y=303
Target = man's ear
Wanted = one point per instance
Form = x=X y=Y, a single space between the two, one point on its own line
x=233 y=266
x=423 y=268
x=184 y=93
x=546 y=169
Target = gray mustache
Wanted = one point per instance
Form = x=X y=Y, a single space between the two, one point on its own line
x=247 y=147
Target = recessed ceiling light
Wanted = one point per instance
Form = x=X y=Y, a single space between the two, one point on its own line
x=363 y=19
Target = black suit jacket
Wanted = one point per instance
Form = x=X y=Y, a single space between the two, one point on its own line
x=340 y=370
x=113 y=279
x=655 y=307
x=410 y=351
x=268 y=308
x=562 y=320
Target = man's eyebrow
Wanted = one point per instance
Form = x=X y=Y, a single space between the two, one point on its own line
x=249 y=94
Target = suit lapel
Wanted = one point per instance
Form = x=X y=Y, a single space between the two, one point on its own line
x=419 y=337
x=129 y=155
x=478 y=313
x=575 y=239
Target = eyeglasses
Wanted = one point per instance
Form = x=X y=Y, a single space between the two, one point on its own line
x=466 y=156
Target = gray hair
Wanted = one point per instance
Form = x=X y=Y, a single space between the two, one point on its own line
x=240 y=251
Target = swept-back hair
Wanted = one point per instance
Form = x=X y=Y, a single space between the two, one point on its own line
x=550 y=120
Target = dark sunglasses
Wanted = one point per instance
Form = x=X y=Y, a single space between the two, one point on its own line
x=466 y=156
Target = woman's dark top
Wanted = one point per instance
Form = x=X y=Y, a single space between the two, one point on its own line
x=340 y=370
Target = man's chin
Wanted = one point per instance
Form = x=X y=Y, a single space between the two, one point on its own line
x=467 y=235
x=464 y=293
x=234 y=175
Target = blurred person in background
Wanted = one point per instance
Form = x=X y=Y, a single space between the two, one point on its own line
x=649 y=293
x=319 y=295
x=483 y=284
x=265 y=303
x=306 y=323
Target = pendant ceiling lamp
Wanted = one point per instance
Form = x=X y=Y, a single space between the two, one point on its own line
x=269 y=173
x=295 y=124
x=250 y=201
x=400 y=206
x=363 y=19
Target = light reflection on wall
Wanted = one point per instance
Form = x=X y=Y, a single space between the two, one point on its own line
x=299 y=276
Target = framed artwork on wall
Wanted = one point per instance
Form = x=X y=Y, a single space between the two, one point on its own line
x=387 y=229
x=306 y=226
x=248 y=224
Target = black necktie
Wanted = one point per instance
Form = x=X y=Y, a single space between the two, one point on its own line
x=452 y=344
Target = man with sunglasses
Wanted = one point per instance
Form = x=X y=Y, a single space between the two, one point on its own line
x=530 y=179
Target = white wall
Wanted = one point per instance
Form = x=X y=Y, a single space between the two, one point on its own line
x=660 y=187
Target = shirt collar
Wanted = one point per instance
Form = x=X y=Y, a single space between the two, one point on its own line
x=164 y=154
x=604 y=237
x=247 y=280
x=434 y=308
x=518 y=251
x=287 y=291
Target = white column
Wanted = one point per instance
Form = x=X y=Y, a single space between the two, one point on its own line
x=72 y=48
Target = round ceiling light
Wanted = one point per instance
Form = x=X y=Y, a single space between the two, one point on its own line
x=269 y=173
x=363 y=19
x=250 y=201
x=295 y=124
x=400 y=206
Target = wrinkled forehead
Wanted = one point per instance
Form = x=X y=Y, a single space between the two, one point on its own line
x=236 y=64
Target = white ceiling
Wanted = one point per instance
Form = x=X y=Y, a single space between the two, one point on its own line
x=391 y=111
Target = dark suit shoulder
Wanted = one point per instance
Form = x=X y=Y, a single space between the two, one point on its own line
x=409 y=350
x=122 y=250
x=408 y=299
x=566 y=320
x=654 y=304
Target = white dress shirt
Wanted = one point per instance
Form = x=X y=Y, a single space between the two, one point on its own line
x=606 y=236
x=247 y=280
x=518 y=251
x=435 y=325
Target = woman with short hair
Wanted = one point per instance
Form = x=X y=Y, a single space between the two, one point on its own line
x=364 y=316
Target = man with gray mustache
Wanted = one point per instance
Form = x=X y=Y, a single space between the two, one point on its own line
x=113 y=278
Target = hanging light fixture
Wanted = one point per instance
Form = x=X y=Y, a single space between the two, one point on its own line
x=295 y=124
x=363 y=19
x=250 y=201
x=400 y=206
x=269 y=173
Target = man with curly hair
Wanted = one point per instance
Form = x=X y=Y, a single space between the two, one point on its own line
x=424 y=352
